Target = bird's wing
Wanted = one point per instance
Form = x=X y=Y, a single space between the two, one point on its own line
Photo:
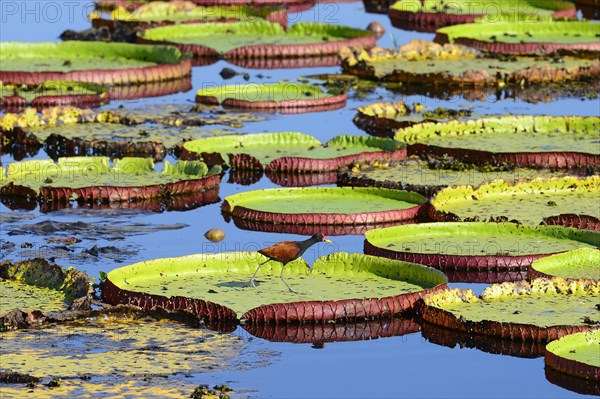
x=282 y=251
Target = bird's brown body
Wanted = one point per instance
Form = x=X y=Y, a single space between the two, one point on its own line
x=286 y=252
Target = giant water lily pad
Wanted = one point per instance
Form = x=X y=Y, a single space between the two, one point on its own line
x=97 y=62
x=93 y=180
x=337 y=206
x=579 y=263
x=427 y=179
x=543 y=37
x=259 y=39
x=216 y=286
x=527 y=202
x=526 y=141
x=294 y=152
x=576 y=354
x=51 y=93
x=286 y=97
x=424 y=65
x=384 y=118
x=487 y=252
x=542 y=310
x=429 y=15
x=160 y=13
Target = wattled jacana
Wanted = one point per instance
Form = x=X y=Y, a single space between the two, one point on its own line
x=286 y=252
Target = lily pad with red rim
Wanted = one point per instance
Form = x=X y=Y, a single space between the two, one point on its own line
x=285 y=97
x=542 y=310
x=542 y=37
x=576 y=354
x=476 y=252
x=92 y=62
x=93 y=180
x=259 y=40
x=338 y=206
x=293 y=152
x=216 y=286
x=579 y=263
x=427 y=179
x=429 y=15
x=161 y=13
x=384 y=118
x=525 y=140
x=527 y=202
x=52 y=93
x=425 y=66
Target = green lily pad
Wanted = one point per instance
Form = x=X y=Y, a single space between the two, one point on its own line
x=527 y=141
x=259 y=39
x=580 y=263
x=542 y=310
x=528 y=202
x=429 y=65
x=337 y=284
x=92 y=179
x=287 y=97
x=476 y=251
x=338 y=206
x=30 y=297
x=522 y=38
x=384 y=118
x=421 y=177
x=52 y=93
x=158 y=13
x=576 y=354
x=97 y=62
x=294 y=152
x=429 y=15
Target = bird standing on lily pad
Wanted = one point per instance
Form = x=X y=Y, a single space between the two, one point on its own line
x=286 y=252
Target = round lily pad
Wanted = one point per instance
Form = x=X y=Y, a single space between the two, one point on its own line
x=337 y=206
x=383 y=119
x=93 y=180
x=527 y=202
x=422 y=65
x=52 y=93
x=333 y=332
x=579 y=263
x=542 y=37
x=94 y=62
x=541 y=311
x=525 y=141
x=294 y=152
x=489 y=252
x=286 y=97
x=576 y=354
x=428 y=179
x=258 y=39
x=161 y=13
x=216 y=286
x=429 y=15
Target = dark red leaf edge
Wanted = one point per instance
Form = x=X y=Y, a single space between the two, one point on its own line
x=575 y=384
x=572 y=220
x=572 y=367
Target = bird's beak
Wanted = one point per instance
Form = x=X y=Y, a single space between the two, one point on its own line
x=327 y=241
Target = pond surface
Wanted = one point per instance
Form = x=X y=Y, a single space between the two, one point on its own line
x=405 y=366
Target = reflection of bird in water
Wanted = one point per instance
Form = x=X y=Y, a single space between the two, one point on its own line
x=286 y=252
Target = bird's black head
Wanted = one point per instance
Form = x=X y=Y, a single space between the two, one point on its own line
x=320 y=238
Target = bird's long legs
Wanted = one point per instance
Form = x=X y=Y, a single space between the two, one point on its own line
x=285 y=282
x=255 y=273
